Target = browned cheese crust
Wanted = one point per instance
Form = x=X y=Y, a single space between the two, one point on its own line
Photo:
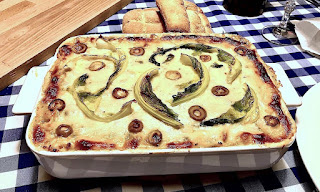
x=159 y=91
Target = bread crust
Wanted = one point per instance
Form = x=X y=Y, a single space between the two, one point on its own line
x=143 y=21
x=174 y=15
x=199 y=23
x=192 y=6
x=149 y=20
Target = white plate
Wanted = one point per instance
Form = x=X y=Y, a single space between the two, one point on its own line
x=36 y=75
x=308 y=131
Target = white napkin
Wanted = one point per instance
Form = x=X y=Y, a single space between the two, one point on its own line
x=308 y=32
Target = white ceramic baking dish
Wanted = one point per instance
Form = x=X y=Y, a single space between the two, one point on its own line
x=85 y=164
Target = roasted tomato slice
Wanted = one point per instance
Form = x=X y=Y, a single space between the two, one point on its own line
x=119 y=93
x=155 y=138
x=79 y=48
x=205 y=58
x=197 y=113
x=137 y=51
x=64 y=130
x=57 y=104
x=220 y=90
x=135 y=126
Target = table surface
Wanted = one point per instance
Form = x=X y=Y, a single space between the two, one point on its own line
x=20 y=171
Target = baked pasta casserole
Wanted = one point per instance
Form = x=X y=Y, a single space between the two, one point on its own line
x=159 y=91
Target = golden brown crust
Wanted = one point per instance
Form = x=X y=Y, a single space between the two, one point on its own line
x=192 y=6
x=198 y=22
x=205 y=22
x=92 y=134
x=143 y=21
x=174 y=15
x=149 y=20
x=195 y=14
x=196 y=25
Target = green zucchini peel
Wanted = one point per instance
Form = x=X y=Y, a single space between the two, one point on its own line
x=87 y=101
x=245 y=110
x=235 y=67
x=194 y=89
x=151 y=103
x=198 y=48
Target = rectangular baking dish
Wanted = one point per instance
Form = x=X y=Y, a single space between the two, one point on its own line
x=86 y=164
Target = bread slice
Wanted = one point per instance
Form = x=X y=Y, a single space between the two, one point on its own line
x=149 y=20
x=174 y=15
x=143 y=21
x=199 y=23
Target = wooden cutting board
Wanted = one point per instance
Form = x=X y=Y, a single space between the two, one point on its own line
x=31 y=30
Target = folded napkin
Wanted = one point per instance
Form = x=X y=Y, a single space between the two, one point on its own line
x=308 y=32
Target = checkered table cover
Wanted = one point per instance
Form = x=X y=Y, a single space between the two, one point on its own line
x=20 y=171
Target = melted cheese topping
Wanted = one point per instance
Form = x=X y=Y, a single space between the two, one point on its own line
x=116 y=132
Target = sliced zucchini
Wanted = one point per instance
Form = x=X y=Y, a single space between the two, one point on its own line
x=88 y=102
x=194 y=89
x=245 y=110
x=151 y=103
x=235 y=67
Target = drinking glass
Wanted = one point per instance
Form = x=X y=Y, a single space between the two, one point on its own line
x=281 y=34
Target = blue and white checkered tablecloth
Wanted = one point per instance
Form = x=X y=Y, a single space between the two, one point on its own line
x=20 y=170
